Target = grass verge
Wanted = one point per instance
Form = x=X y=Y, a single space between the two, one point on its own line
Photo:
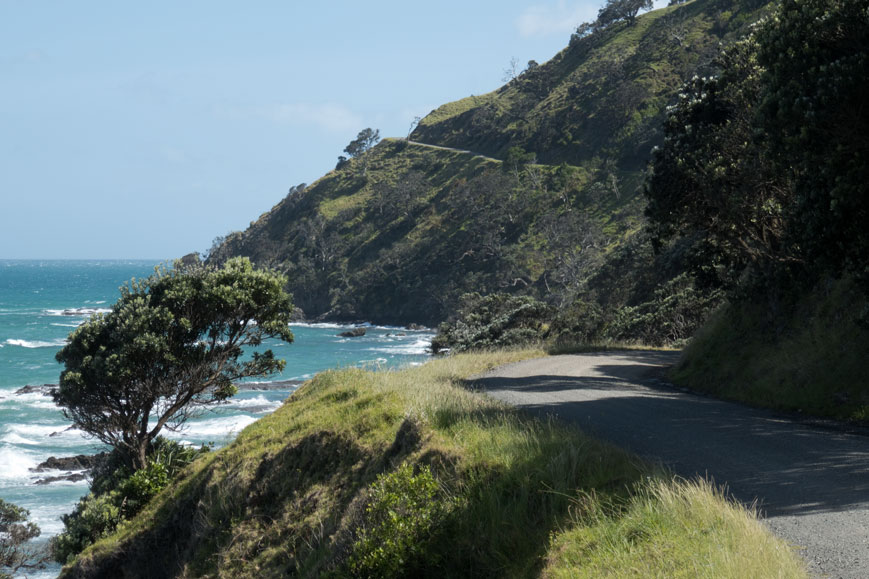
x=811 y=358
x=409 y=473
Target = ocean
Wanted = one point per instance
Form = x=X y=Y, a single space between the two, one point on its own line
x=41 y=302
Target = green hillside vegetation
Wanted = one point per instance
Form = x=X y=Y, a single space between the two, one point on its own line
x=552 y=209
x=813 y=360
x=602 y=97
x=410 y=474
x=763 y=175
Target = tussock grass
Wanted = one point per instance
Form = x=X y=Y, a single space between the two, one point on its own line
x=668 y=528
x=294 y=493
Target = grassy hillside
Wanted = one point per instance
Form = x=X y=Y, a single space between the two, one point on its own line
x=602 y=97
x=809 y=356
x=410 y=474
x=399 y=234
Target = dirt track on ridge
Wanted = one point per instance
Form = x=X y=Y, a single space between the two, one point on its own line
x=811 y=483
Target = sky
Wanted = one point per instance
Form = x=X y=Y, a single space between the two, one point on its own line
x=143 y=130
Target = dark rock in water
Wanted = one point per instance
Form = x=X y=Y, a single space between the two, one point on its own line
x=79 y=462
x=415 y=327
x=70 y=476
x=354 y=333
x=276 y=385
x=44 y=389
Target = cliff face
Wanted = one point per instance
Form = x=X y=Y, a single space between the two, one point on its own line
x=547 y=202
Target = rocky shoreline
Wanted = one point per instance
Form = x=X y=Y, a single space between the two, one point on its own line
x=77 y=467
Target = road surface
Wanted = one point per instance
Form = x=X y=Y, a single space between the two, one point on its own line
x=811 y=483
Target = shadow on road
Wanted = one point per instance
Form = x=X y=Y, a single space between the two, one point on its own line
x=790 y=468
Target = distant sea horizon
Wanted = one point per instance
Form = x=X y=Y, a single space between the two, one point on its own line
x=43 y=300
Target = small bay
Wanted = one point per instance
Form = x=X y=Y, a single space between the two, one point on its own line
x=41 y=302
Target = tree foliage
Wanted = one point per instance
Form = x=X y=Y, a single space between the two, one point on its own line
x=15 y=532
x=363 y=142
x=616 y=10
x=767 y=163
x=816 y=59
x=493 y=321
x=712 y=179
x=171 y=345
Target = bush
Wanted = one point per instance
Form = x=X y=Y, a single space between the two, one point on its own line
x=677 y=310
x=94 y=517
x=117 y=495
x=402 y=514
x=493 y=321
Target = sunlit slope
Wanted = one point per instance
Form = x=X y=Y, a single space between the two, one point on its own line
x=398 y=234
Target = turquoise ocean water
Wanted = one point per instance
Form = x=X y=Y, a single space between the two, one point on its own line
x=41 y=302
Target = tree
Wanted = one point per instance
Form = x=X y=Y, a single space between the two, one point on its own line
x=366 y=139
x=713 y=181
x=615 y=10
x=171 y=345
x=357 y=148
x=816 y=59
x=15 y=532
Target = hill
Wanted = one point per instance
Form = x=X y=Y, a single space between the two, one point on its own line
x=541 y=194
x=409 y=474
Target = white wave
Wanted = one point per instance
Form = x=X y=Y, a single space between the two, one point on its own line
x=416 y=348
x=225 y=426
x=259 y=404
x=77 y=312
x=46 y=514
x=35 y=343
x=322 y=325
x=39 y=434
x=36 y=400
x=279 y=384
x=67 y=325
x=15 y=463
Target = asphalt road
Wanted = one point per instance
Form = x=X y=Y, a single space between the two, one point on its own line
x=811 y=482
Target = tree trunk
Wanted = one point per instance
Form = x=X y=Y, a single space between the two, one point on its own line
x=140 y=459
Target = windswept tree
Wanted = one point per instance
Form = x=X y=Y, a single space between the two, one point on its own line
x=173 y=344
x=363 y=142
x=616 y=10
x=357 y=148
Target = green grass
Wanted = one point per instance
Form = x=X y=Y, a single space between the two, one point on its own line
x=811 y=358
x=455 y=108
x=298 y=493
x=668 y=529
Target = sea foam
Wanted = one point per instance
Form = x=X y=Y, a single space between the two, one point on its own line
x=35 y=343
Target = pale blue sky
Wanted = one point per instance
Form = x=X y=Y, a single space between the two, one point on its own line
x=144 y=130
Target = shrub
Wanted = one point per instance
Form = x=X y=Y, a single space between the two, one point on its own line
x=493 y=321
x=117 y=495
x=403 y=512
